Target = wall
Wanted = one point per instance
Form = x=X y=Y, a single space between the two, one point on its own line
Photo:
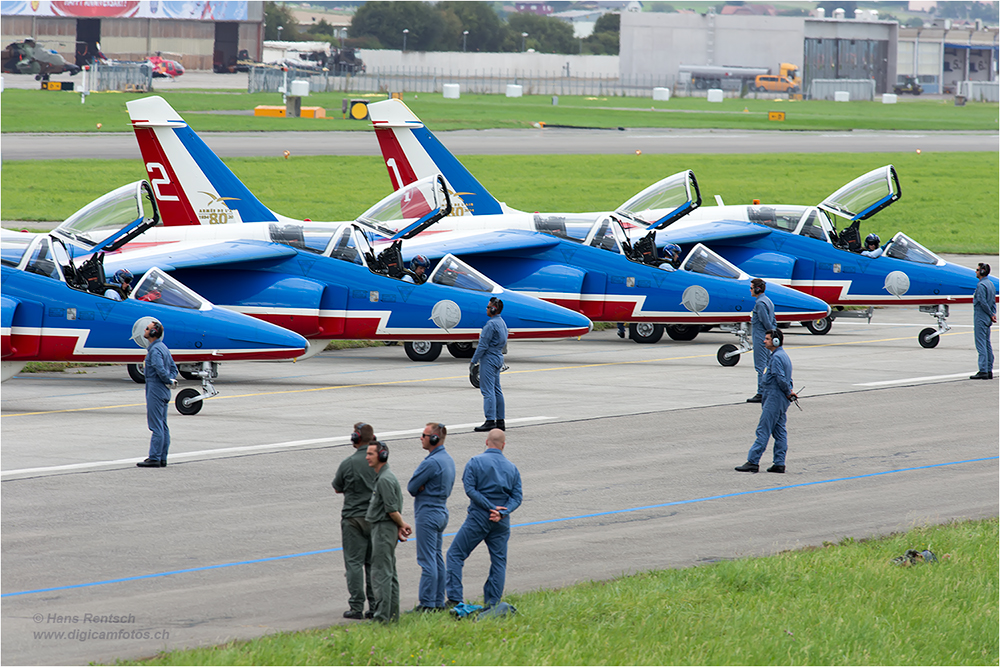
x=471 y=61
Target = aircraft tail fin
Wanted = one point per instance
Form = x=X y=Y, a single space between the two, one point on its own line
x=411 y=152
x=191 y=184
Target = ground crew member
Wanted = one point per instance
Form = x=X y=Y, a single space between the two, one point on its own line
x=355 y=479
x=984 y=314
x=489 y=356
x=761 y=321
x=161 y=375
x=493 y=485
x=388 y=528
x=430 y=487
x=778 y=394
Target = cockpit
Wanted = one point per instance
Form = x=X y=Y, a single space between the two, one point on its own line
x=110 y=215
x=413 y=208
x=905 y=248
x=704 y=261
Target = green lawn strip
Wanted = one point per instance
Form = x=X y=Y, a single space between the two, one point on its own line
x=949 y=200
x=839 y=604
x=45 y=111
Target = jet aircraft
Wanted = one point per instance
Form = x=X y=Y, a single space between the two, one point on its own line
x=796 y=246
x=54 y=309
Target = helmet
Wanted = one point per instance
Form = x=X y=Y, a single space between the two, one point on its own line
x=123 y=276
x=872 y=238
x=670 y=249
x=420 y=260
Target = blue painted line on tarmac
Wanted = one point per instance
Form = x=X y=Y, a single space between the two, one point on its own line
x=519 y=525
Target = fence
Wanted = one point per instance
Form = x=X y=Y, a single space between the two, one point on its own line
x=860 y=89
x=136 y=77
x=980 y=91
x=488 y=82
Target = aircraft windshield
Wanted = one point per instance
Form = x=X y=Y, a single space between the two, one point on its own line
x=12 y=248
x=452 y=272
x=565 y=226
x=865 y=195
x=604 y=236
x=42 y=261
x=905 y=248
x=98 y=219
x=314 y=239
x=660 y=199
x=157 y=287
x=785 y=218
x=704 y=261
x=345 y=246
x=406 y=204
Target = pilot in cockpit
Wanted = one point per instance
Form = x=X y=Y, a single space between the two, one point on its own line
x=121 y=287
x=872 y=249
x=418 y=270
x=671 y=255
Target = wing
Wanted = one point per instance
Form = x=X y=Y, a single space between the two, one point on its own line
x=198 y=255
x=436 y=246
x=708 y=232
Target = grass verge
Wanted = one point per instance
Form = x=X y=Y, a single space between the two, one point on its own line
x=839 y=604
x=949 y=200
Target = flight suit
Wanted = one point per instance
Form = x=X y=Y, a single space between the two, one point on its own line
x=430 y=487
x=762 y=320
x=160 y=371
x=355 y=479
x=489 y=356
x=387 y=497
x=984 y=307
x=490 y=481
x=777 y=386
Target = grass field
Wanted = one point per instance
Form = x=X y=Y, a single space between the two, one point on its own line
x=41 y=111
x=843 y=604
x=949 y=200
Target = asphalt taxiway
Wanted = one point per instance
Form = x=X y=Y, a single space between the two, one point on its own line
x=626 y=452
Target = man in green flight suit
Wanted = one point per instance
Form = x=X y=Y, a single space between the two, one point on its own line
x=388 y=528
x=355 y=480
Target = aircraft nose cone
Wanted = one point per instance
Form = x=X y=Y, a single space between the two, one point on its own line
x=270 y=338
x=528 y=314
x=791 y=305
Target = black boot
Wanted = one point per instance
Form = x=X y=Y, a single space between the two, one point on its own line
x=487 y=425
x=501 y=425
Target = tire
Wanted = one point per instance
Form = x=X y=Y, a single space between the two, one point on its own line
x=137 y=373
x=422 y=350
x=723 y=351
x=927 y=338
x=461 y=350
x=187 y=394
x=474 y=376
x=683 y=331
x=645 y=333
x=188 y=375
x=819 y=327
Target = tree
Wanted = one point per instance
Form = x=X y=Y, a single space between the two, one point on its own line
x=486 y=30
x=387 y=20
x=606 y=36
x=280 y=15
x=545 y=34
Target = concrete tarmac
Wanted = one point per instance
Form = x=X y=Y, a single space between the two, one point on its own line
x=626 y=452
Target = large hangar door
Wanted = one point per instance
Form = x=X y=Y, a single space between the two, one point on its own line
x=88 y=35
x=227 y=45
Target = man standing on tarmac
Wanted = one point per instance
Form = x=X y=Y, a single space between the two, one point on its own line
x=388 y=528
x=430 y=487
x=489 y=356
x=762 y=321
x=355 y=479
x=984 y=315
x=161 y=375
x=493 y=485
x=778 y=394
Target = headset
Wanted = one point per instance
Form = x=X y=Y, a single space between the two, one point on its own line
x=495 y=306
x=383 y=451
x=757 y=287
x=775 y=339
x=156 y=329
x=434 y=438
x=356 y=436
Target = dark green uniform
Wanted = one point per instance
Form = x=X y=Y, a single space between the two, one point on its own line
x=387 y=497
x=355 y=479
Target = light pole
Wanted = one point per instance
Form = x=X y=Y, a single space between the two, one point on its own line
x=524 y=36
x=465 y=36
x=343 y=35
x=280 y=28
x=406 y=31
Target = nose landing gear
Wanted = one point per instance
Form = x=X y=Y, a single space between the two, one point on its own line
x=930 y=337
x=189 y=401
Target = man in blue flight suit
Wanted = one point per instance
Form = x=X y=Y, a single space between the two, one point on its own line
x=430 y=487
x=984 y=314
x=762 y=321
x=161 y=375
x=388 y=528
x=489 y=356
x=493 y=485
x=778 y=394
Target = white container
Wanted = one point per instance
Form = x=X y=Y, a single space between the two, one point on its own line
x=888 y=98
x=841 y=96
x=451 y=91
x=661 y=94
x=715 y=95
x=300 y=88
x=514 y=90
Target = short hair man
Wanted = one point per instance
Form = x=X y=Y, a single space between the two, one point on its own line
x=493 y=485
x=761 y=321
x=984 y=314
x=161 y=375
x=355 y=479
x=489 y=356
x=778 y=394
x=388 y=528
x=430 y=486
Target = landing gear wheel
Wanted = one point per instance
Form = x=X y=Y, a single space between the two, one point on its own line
x=683 y=331
x=461 y=350
x=928 y=339
x=723 y=351
x=819 y=327
x=192 y=408
x=137 y=373
x=188 y=375
x=474 y=376
x=645 y=332
x=422 y=350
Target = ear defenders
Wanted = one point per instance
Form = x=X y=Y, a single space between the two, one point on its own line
x=356 y=436
x=495 y=306
x=775 y=338
x=383 y=451
x=434 y=438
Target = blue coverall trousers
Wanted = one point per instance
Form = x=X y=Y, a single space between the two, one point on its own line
x=760 y=357
x=773 y=411
x=478 y=528
x=430 y=523
x=489 y=385
x=984 y=346
x=156 y=419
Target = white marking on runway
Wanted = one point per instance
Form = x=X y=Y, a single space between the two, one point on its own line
x=227 y=451
x=929 y=378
